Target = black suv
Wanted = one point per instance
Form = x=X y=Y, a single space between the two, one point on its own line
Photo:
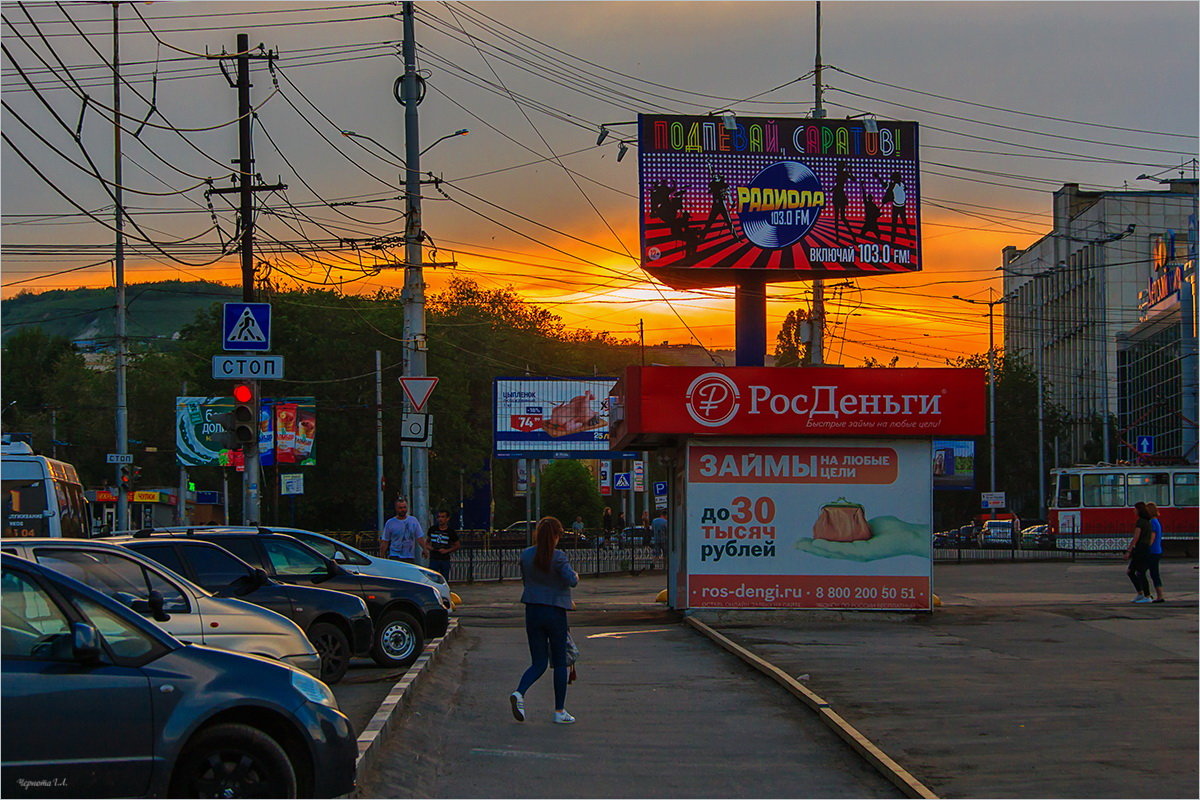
x=337 y=623
x=405 y=613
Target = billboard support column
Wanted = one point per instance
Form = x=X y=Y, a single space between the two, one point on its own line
x=750 y=321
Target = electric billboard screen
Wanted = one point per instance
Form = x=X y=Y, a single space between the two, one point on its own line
x=779 y=199
x=553 y=418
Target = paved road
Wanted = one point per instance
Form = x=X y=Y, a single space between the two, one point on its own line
x=1033 y=680
x=662 y=713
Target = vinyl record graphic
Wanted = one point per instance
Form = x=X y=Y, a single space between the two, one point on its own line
x=781 y=205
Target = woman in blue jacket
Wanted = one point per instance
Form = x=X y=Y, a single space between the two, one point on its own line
x=548 y=579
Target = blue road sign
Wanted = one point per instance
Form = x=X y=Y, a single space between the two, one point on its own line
x=660 y=488
x=1145 y=445
x=247 y=326
x=621 y=481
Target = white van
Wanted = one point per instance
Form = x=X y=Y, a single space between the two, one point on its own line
x=42 y=496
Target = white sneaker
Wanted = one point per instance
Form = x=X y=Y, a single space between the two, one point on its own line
x=1143 y=599
x=517 y=700
x=563 y=717
x=1137 y=598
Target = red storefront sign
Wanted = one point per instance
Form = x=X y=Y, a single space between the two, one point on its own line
x=650 y=403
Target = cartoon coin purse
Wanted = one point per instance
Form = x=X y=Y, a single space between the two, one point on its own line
x=841 y=521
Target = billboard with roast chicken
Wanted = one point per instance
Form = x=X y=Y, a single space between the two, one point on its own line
x=553 y=418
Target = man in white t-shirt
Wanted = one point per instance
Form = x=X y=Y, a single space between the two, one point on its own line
x=401 y=536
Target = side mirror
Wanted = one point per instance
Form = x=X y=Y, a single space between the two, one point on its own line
x=157 y=606
x=339 y=557
x=85 y=643
x=261 y=578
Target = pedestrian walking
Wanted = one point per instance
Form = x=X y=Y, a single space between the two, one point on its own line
x=1156 y=551
x=548 y=578
x=659 y=526
x=577 y=529
x=401 y=535
x=440 y=541
x=1138 y=552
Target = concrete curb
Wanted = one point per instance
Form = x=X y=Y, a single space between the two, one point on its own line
x=371 y=739
x=887 y=766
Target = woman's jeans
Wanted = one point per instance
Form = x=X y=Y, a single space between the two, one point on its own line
x=1137 y=573
x=546 y=627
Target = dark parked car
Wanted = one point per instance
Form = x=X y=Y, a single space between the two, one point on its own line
x=405 y=613
x=98 y=702
x=337 y=623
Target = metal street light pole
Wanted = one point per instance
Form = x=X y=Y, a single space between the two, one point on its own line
x=413 y=294
x=991 y=304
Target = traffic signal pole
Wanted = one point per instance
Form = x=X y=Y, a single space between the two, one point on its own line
x=251 y=476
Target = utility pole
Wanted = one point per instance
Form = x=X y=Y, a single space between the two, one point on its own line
x=251 y=477
x=378 y=440
x=122 y=422
x=816 y=323
x=413 y=294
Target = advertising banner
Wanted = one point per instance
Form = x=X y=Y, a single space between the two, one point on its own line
x=605 y=479
x=201 y=440
x=954 y=464
x=809 y=523
x=767 y=401
x=784 y=199
x=553 y=418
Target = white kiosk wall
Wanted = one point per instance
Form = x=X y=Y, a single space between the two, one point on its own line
x=808 y=523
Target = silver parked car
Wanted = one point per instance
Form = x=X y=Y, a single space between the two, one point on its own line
x=174 y=603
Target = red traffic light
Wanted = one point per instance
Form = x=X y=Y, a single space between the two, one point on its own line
x=243 y=393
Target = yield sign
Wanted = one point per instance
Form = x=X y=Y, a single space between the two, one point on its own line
x=417 y=390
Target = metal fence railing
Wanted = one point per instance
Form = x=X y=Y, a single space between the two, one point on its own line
x=489 y=559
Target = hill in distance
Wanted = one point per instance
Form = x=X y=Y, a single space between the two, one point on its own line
x=155 y=312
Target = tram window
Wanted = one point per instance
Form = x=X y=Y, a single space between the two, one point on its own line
x=1185 y=489
x=1104 y=490
x=1150 y=487
x=1068 y=491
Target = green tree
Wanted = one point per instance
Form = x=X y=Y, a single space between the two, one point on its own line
x=791 y=346
x=1016 y=431
x=568 y=491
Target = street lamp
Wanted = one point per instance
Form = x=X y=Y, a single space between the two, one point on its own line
x=991 y=304
x=460 y=132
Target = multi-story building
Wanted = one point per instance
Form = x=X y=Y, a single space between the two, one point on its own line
x=1072 y=299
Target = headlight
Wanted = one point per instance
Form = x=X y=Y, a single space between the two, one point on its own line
x=436 y=577
x=313 y=689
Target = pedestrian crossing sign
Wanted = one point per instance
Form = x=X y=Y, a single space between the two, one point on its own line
x=247 y=326
x=621 y=481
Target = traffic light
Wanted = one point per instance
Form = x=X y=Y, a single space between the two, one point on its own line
x=136 y=475
x=125 y=476
x=245 y=416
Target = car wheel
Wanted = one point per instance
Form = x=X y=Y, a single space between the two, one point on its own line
x=334 y=649
x=398 y=640
x=233 y=760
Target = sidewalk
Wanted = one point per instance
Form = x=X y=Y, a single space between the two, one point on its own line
x=661 y=713
x=1033 y=680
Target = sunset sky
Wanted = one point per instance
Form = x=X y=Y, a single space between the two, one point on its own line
x=1013 y=100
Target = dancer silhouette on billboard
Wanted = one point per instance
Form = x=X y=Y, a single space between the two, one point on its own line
x=840 y=199
x=719 y=190
x=894 y=193
x=666 y=203
x=871 y=212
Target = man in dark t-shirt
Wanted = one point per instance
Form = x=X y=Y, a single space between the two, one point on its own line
x=440 y=542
